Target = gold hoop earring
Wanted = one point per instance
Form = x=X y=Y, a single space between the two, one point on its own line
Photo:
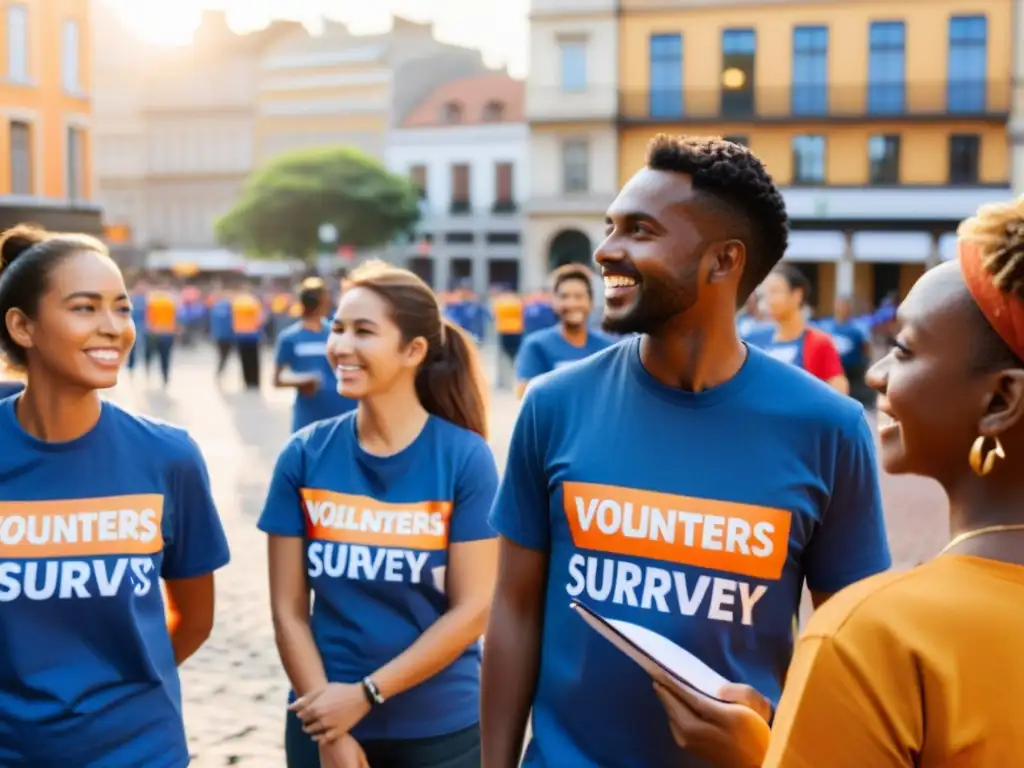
x=982 y=464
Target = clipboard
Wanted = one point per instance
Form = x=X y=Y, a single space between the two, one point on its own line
x=659 y=657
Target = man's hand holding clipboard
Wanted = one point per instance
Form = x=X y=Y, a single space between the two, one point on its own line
x=725 y=723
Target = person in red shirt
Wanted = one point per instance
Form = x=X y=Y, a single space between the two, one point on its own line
x=793 y=339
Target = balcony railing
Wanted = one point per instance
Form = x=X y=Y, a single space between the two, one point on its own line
x=988 y=99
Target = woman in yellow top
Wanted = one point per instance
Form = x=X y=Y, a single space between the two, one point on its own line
x=921 y=668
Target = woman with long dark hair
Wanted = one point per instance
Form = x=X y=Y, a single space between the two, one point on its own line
x=382 y=512
x=97 y=506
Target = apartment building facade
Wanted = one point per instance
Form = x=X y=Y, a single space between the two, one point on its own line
x=179 y=129
x=572 y=111
x=45 y=132
x=884 y=124
x=466 y=147
x=340 y=88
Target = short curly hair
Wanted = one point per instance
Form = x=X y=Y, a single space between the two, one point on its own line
x=731 y=174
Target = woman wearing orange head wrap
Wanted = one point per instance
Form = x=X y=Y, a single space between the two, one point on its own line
x=921 y=668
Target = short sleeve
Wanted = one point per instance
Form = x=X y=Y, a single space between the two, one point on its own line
x=284 y=353
x=847 y=704
x=530 y=361
x=197 y=545
x=520 y=510
x=475 y=487
x=282 y=513
x=823 y=358
x=851 y=543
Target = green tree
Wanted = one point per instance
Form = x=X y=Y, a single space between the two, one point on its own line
x=283 y=204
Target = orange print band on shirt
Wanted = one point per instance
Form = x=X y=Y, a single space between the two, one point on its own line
x=718 y=535
x=111 y=525
x=350 y=519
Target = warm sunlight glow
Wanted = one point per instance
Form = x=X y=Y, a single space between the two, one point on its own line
x=498 y=29
x=168 y=23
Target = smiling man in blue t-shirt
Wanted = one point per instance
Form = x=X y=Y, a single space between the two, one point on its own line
x=680 y=480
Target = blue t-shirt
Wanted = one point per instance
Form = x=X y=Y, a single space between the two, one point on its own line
x=87 y=530
x=545 y=350
x=747 y=325
x=305 y=351
x=850 y=340
x=221 y=328
x=538 y=315
x=696 y=515
x=791 y=352
x=139 y=312
x=377 y=530
x=8 y=388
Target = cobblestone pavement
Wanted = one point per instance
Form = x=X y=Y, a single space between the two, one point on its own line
x=234 y=688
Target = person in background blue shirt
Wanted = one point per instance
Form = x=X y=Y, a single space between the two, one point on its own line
x=854 y=346
x=222 y=329
x=139 y=348
x=383 y=513
x=98 y=506
x=679 y=481
x=571 y=340
x=301 y=360
x=538 y=312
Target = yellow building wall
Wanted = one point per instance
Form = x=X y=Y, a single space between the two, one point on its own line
x=924 y=148
x=848 y=23
x=49 y=107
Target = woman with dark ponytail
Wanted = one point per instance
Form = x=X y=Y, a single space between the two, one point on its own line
x=382 y=512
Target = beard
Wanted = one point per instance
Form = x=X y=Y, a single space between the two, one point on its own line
x=657 y=302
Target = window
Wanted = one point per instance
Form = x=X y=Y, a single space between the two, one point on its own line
x=886 y=67
x=21 y=158
x=460 y=188
x=451 y=113
x=494 y=112
x=809 y=93
x=737 y=139
x=738 y=48
x=964 y=153
x=967 y=62
x=884 y=158
x=17 y=43
x=75 y=173
x=70 y=58
x=418 y=177
x=503 y=200
x=574 y=65
x=576 y=166
x=808 y=159
x=666 y=76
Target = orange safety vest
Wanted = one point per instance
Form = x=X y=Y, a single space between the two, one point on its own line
x=508 y=315
x=161 y=313
x=281 y=303
x=246 y=315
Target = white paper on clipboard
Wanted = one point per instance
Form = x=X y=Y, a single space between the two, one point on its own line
x=661 y=658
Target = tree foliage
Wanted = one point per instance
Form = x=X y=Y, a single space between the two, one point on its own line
x=283 y=204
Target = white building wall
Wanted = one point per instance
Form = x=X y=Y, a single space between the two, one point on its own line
x=481 y=147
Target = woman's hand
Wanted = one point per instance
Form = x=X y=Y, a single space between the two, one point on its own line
x=344 y=752
x=733 y=735
x=332 y=711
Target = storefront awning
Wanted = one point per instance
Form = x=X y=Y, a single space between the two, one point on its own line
x=815 y=246
x=892 y=247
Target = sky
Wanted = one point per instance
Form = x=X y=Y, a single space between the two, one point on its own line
x=497 y=27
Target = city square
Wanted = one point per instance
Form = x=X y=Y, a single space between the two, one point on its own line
x=234 y=688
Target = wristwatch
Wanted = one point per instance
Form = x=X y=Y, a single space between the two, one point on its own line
x=372 y=692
